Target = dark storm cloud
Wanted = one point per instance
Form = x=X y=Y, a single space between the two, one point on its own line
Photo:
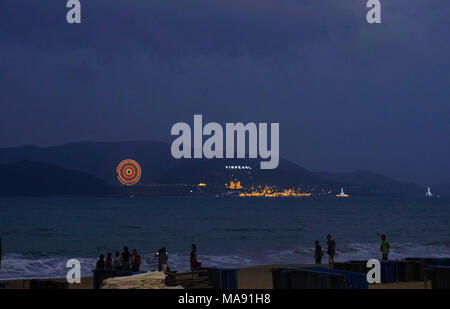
x=347 y=94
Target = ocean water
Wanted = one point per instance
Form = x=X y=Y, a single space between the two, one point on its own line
x=41 y=234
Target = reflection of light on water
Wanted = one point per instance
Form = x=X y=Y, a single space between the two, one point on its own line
x=266 y=192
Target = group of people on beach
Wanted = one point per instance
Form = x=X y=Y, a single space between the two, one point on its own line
x=331 y=250
x=126 y=261
x=163 y=260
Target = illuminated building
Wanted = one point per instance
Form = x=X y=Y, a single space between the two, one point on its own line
x=234 y=185
x=266 y=192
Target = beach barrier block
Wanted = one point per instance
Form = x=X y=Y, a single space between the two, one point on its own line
x=440 y=276
x=305 y=278
x=297 y=280
x=405 y=271
x=417 y=266
x=229 y=278
x=286 y=279
x=276 y=278
x=223 y=278
x=190 y=280
x=308 y=278
x=417 y=269
x=343 y=266
x=337 y=283
x=331 y=282
x=389 y=272
x=289 y=278
x=281 y=278
x=410 y=270
x=353 y=280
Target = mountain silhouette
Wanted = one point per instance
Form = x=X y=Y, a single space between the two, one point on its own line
x=100 y=159
x=158 y=166
x=25 y=178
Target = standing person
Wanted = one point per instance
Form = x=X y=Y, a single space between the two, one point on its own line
x=195 y=264
x=100 y=262
x=318 y=253
x=126 y=259
x=108 y=261
x=164 y=258
x=160 y=257
x=135 y=261
x=384 y=248
x=331 y=250
x=117 y=265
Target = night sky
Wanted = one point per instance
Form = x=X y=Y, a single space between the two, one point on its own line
x=348 y=95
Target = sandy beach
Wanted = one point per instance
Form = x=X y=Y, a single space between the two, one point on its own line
x=257 y=277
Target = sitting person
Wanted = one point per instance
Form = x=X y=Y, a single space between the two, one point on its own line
x=195 y=264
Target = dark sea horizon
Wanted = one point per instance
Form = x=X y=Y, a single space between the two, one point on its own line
x=41 y=234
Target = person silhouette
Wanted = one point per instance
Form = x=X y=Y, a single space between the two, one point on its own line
x=126 y=259
x=331 y=250
x=195 y=264
x=318 y=253
x=384 y=248
x=100 y=262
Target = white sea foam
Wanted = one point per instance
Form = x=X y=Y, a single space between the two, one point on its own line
x=18 y=266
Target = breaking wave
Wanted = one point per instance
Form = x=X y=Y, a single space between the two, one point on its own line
x=40 y=265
